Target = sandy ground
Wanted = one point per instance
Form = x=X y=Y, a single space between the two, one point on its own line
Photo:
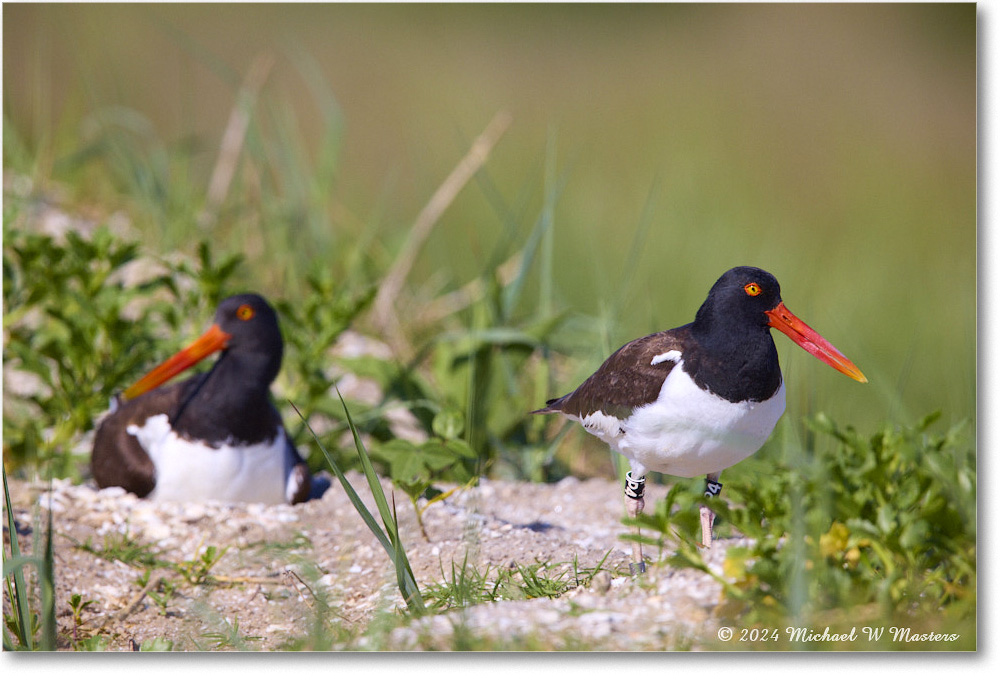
x=279 y=561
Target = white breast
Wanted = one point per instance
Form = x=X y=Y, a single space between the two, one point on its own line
x=688 y=431
x=192 y=471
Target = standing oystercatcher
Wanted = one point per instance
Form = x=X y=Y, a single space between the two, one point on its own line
x=699 y=398
x=216 y=435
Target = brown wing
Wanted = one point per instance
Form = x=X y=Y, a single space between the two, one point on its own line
x=627 y=380
x=118 y=459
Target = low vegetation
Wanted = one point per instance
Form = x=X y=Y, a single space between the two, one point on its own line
x=840 y=521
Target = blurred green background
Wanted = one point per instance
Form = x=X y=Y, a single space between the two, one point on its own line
x=833 y=145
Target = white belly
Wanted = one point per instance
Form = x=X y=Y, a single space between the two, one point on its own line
x=688 y=431
x=192 y=471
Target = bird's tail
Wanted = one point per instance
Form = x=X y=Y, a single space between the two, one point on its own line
x=553 y=405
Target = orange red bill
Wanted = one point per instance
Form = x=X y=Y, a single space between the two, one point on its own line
x=811 y=341
x=213 y=340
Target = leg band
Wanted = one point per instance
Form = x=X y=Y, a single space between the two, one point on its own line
x=634 y=487
x=712 y=488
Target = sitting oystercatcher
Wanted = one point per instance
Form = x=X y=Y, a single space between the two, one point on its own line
x=216 y=435
x=699 y=398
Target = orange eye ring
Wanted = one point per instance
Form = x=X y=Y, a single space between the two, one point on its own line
x=244 y=313
x=753 y=289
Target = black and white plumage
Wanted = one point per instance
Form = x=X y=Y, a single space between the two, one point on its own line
x=216 y=435
x=699 y=398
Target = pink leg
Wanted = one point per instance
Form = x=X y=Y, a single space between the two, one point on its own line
x=706 y=526
x=634 y=504
x=712 y=489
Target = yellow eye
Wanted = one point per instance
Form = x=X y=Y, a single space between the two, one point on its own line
x=752 y=289
x=244 y=313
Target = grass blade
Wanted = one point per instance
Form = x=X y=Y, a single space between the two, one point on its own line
x=404 y=574
x=540 y=240
x=389 y=538
x=349 y=489
x=19 y=597
x=47 y=574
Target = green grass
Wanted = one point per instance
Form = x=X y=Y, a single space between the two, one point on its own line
x=465 y=585
x=125 y=548
x=651 y=148
x=32 y=598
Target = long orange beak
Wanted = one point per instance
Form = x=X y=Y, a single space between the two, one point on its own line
x=811 y=341
x=212 y=341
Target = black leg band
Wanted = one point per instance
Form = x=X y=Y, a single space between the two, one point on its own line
x=712 y=488
x=634 y=487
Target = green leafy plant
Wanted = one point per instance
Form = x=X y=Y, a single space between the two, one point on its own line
x=161 y=592
x=311 y=326
x=885 y=521
x=206 y=280
x=76 y=605
x=71 y=331
x=163 y=597
x=91 y=643
x=157 y=644
x=415 y=466
x=198 y=570
x=65 y=320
